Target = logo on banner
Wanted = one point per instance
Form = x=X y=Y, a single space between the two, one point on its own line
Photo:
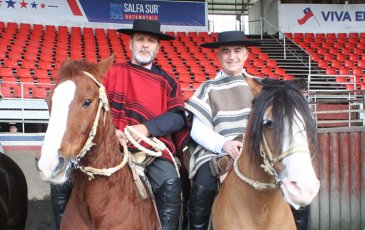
x=132 y=11
x=307 y=15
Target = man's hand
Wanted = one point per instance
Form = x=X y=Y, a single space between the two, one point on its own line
x=121 y=137
x=142 y=129
x=233 y=148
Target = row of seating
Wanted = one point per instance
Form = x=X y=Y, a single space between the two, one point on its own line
x=341 y=55
x=34 y=53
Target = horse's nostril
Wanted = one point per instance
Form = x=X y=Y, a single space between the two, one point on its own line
x=36 y=162
x=61 y=162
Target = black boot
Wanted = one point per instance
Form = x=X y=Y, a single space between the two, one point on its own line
x=168 y=201
x=301 y=217
x=60 y=194
x=200 y=206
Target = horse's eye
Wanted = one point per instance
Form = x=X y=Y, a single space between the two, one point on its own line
x=267 y=123
x=86 y=103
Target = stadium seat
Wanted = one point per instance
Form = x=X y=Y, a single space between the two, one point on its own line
x=44 y=80
x=184 y=85
x=6 y=72
x=331 y=71
x=40 y=92
x=344 y=71
x=10 y=63
x=45 y=65
x=24 y=73
x=187 y=94
x=26 y=80
x=196 y=85
x=28 y=64
x=185 y=77
x=279 y=71
x=200 y=77
x=41 y=73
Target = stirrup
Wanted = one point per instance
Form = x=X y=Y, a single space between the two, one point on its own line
x=220 y=165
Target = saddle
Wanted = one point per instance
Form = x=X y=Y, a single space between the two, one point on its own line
x=221 y=165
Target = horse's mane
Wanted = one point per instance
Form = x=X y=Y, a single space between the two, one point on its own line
x=72 y=68
x=285 y=97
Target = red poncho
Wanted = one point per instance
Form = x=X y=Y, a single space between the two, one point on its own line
x=137 y=94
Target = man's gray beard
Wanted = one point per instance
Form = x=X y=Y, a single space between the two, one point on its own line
x=142 y=60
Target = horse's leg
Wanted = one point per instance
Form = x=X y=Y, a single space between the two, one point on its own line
x=72 y=218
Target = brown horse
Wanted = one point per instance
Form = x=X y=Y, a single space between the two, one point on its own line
x=13 y=195
x=275 y=168
x=81 y=135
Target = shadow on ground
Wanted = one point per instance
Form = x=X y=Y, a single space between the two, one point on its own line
x=39 y=215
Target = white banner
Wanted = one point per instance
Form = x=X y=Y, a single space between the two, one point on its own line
x=103 y=14
x=321 y=18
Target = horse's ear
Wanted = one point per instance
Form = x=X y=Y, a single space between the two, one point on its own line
x=66 y=61
x=255 y=85
x=105 y=64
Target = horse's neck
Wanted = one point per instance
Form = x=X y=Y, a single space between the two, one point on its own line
x=106 y=152
x=254 y=172
x=239 y=197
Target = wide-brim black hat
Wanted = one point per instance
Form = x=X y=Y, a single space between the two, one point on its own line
x=230 y=38
x=147 y=27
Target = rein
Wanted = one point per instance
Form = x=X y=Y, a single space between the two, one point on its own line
x=268 y=166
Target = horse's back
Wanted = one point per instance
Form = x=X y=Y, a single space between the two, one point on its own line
x=13 y=195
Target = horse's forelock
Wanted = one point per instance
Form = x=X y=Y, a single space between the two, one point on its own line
x=74 y=68
x=285 y=99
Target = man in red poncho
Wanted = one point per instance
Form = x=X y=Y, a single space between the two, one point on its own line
x=145 y=97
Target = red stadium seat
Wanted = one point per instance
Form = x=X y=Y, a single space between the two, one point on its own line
x=184 y=85
x=24 y=73
x=344 y=71
x=6 y=72
x=41 y=73
x=10 y=63
x=200 y=77
x=28 y=64
x=40 y=92
x=44 y=80
x=331 y=71
x=187 y=94
x=45 y=65
x=279 y=71
x=185 y=77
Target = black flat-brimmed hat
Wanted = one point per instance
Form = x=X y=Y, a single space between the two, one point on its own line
x=230 y=38
x=147 y=27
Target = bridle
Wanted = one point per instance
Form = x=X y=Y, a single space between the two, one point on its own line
x=90 y=171
x=268 y=165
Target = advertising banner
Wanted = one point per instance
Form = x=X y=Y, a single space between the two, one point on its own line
x=321 y=18
x=173 y=15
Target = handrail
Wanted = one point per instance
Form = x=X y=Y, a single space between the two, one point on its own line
x=285 y=46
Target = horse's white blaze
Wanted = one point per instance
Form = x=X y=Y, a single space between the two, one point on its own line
x=61 y=100
x=299 y=181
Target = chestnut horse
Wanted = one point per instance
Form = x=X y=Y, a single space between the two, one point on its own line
x=81 y=136
x=13 y=195
x=274 y=168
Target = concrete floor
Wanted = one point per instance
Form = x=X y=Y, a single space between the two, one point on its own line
x=37 y=189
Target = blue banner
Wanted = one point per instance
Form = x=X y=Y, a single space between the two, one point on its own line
x=166 y=12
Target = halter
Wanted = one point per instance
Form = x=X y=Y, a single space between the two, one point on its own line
x=90 y=171
x=268 y=165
